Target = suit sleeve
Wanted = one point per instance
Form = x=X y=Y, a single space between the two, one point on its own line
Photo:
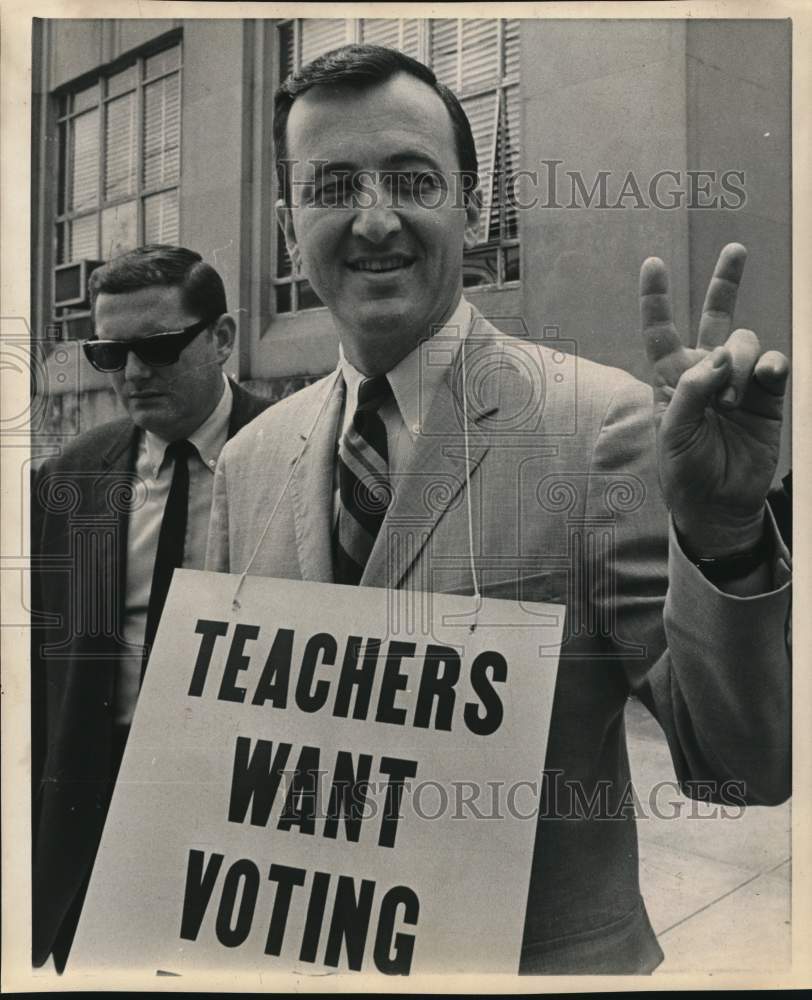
x=715 y=669
x=39 y=699
x=217 y=548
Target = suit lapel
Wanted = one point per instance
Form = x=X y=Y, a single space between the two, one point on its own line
x=116 y=456
x=117 y=468
x=115 y=489
x=427 y=487
x=312 y=483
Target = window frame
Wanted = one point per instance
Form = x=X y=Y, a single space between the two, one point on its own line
x=65 y=114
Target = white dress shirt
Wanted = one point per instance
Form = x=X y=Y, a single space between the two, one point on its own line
x=154 y=477
x=414 y=380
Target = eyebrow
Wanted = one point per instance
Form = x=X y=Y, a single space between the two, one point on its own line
x=396 y=160
x=414 y=156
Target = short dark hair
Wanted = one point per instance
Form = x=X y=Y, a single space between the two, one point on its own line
x=202 y=290
x=362 y=66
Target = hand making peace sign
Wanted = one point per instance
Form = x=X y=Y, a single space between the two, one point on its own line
x=717 y=409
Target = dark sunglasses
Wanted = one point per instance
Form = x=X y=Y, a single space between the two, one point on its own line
x=157 y=351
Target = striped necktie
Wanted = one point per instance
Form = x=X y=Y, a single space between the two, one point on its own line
x=363 y=479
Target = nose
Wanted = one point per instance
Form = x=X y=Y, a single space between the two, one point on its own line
x=135 y=369
x=375 y=219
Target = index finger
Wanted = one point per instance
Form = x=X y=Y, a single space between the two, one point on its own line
x=720 y=300
x=656 y=318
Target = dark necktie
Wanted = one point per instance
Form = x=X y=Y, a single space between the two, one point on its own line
x=363 y=479
x=169 y=554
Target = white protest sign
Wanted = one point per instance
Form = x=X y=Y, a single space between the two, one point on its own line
x=311 y=785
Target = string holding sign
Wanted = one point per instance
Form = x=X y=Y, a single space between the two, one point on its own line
x=235 y=602
x=476 y=595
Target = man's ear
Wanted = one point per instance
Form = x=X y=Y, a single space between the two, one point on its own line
x=284 y=217
x=223 y=333
x=473 y=210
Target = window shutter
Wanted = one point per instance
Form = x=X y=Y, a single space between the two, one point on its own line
x=121 y=82
x=482 y=114
x=284 y=265
x=161 y=218
x=162 y=62
x=410 y=42
x=511 y=53
x=162 y=132
x=85 y=161
x=394 y=33
x=84 y=237
x=495 y=221
x=62 y=169
x=62 y=230
x=380 y=31
x=120 y=147
x=503 y=222
x=287 y=50
x=321 y=34
x=494 y=122
x=84 y=99
x=480 y=54
x=443 y=54
x=511 y=151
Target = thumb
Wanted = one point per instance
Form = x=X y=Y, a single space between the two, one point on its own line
x=697 y=387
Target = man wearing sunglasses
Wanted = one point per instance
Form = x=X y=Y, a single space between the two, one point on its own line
x=142 y=487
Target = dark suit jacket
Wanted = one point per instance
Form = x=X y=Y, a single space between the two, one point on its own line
x=79 y=516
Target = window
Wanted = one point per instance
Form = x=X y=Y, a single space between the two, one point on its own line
x=119 y=162
x=479 y=60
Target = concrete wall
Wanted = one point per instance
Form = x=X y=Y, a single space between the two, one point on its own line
x=739 y=117
x=648 y=96
x=601 y=96
x=212 y=155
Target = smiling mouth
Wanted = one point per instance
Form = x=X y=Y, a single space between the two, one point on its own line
x=380 y=265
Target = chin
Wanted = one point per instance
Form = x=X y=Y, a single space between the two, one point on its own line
x=153 y=422
x=376 y=312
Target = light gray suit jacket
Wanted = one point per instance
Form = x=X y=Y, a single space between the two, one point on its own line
x=566 y=507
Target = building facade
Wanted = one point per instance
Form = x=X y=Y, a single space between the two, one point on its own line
x=599 y=142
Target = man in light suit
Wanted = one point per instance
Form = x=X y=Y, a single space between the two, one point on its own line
x=163 y=332
x=570 y=470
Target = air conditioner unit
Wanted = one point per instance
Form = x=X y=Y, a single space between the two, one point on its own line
x=70 y=283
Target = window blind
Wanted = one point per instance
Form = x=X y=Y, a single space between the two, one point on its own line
x=162 y=132
x=85 y=161
x=394 y=33
x=161 y=217
x=479 y=55
x=120 y=139
x=320 y=35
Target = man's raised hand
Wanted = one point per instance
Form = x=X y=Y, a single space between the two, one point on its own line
x=717 y=409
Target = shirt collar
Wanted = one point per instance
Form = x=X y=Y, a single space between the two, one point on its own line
x=209 y=437
x=413 y=390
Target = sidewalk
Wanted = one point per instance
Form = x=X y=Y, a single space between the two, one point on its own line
x=717 y=888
